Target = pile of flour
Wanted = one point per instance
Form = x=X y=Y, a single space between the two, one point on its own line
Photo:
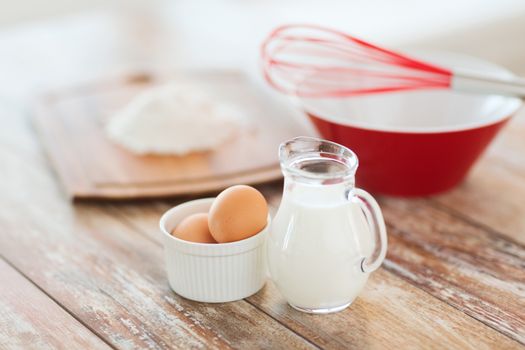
x=175 y=118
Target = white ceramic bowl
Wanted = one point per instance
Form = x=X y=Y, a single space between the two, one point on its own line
x=210 y=272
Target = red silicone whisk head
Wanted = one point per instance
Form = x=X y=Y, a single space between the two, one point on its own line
x=312 y=61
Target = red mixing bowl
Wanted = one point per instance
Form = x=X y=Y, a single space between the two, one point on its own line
x=415 y=143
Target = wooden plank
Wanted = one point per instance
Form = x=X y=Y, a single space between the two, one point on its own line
x=500 y=277
x=109 y=276
x=29 y=319
x=474 y=270
x=388 y=307
x=482 y=270
x=389 y=314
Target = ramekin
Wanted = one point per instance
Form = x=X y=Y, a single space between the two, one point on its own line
x=209 y=272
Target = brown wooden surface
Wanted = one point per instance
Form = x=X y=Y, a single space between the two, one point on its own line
x=91 y=275
x=31 y=320
x=71 y=124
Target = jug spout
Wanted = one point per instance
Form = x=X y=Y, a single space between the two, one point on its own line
x=312 y=160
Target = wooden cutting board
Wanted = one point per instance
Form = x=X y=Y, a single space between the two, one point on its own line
x=71 y=126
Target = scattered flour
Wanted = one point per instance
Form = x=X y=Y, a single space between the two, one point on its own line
x=176 y=118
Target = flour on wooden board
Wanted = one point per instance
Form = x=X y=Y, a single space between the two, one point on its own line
x=175 y=118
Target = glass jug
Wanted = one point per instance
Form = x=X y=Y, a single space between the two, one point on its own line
x=327 y=235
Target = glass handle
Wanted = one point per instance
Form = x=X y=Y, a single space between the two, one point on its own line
x=375 y=220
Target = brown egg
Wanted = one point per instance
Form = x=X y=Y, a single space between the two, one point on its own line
x=194 y=228
x=237 y=213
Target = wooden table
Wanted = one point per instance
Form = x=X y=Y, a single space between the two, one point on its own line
x=91 y=275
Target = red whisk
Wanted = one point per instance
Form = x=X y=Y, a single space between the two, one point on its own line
x=312 y=61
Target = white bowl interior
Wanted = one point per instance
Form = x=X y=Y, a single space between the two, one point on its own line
x=423 y=110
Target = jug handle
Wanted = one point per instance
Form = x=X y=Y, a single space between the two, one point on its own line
x=375 y=220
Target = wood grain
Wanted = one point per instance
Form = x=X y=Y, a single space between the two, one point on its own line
x=476 y=271
x=71 y=125
x=388 y=306
x=388 y=314
x=105 y=273
x=29 y=319
x=113 y=279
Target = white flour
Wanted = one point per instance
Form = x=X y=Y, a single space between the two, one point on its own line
x=175 y=118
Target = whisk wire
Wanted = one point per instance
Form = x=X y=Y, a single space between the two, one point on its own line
x=307 y=60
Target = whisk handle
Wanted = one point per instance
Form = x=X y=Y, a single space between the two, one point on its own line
x=479 y=83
